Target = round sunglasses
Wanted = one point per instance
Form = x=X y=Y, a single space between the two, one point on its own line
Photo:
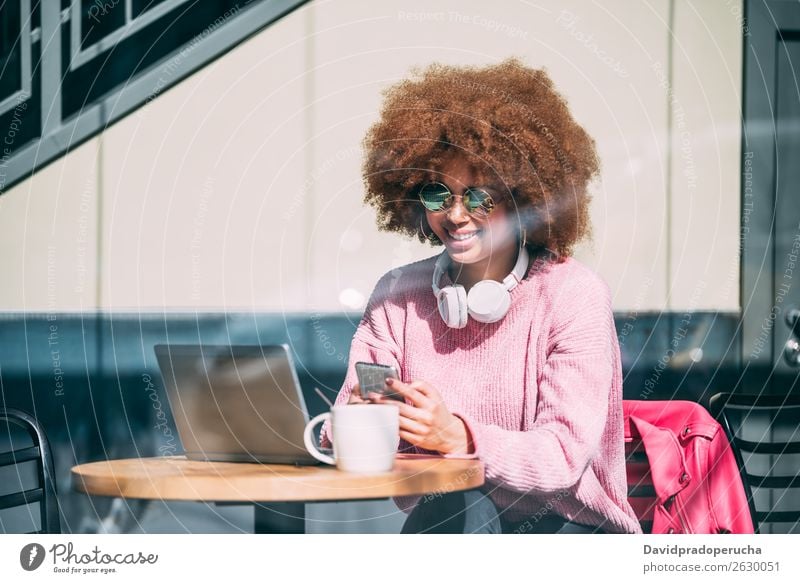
x=436 y=197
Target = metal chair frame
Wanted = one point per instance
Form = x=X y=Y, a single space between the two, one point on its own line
x=40 y=451
x=719 y=405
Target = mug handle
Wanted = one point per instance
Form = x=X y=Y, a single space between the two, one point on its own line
x=308 y=439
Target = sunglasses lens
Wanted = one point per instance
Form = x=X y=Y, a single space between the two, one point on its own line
x=433 y=196
x=436 y=197
x=477 y=200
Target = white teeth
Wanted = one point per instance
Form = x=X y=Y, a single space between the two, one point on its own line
x=463 y=237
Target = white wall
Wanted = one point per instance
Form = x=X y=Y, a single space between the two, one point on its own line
x=705 y=167
x=240 y=188
x=195 y=181
x=48 y=236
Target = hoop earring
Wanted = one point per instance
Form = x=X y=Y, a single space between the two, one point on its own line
x=429 y=236
x=524 y=238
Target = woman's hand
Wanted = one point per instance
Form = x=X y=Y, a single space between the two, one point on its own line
x=425 y=420
x=355 y=396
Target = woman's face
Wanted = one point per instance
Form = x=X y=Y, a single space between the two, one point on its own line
x=468 y=238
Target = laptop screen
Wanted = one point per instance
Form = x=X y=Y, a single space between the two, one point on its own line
x=235 y=402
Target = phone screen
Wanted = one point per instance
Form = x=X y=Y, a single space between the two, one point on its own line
x=372 y=379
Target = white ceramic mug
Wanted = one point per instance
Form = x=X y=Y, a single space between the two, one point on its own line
x=365 y=437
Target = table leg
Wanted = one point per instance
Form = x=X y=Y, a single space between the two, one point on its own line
x=283 y=517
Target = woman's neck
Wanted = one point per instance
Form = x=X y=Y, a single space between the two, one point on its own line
x=496 y=267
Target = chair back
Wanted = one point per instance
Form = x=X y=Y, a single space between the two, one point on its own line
x=641 y=492
x=27 y=477
x=764 y=431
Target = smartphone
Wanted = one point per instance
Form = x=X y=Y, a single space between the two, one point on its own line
x=372 y=379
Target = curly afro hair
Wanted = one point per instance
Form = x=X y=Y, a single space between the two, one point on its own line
x=514 y=129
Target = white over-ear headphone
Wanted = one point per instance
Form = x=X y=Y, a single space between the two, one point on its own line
x=487 y=301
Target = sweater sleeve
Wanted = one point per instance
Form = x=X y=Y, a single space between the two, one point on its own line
x=377 y=339
x=574 y=388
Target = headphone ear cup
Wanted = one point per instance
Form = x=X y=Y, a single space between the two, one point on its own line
x=452 y=301
x=488 y=301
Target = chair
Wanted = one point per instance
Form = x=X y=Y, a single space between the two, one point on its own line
x=765 y=433
x=641 y=492
x=24 y=494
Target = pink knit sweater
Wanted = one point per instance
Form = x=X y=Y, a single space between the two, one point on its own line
x=540 y=391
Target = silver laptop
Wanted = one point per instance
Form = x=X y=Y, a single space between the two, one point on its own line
x=236 y=403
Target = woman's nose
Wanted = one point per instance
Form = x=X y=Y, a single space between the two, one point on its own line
x=457 y=213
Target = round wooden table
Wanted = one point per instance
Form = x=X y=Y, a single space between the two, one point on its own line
x=279 y=492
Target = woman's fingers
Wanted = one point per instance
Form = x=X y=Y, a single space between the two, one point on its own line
x=410 y=392
x=424 y=388
x=355 y=395
x=411 y=438
x=405 y=409
x=412 y=419
x=414 y=427
x=421 y=415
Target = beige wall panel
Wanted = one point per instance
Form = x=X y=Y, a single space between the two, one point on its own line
x=706 y=123
x=48 y=236
x=241 y=187
x=197 y=184
x=596 y=56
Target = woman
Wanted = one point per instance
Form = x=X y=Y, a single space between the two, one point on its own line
x=505 y=344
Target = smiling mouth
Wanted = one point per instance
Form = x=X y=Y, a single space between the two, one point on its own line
x=462 y=236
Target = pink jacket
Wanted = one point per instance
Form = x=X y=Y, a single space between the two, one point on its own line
x=690 y=465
